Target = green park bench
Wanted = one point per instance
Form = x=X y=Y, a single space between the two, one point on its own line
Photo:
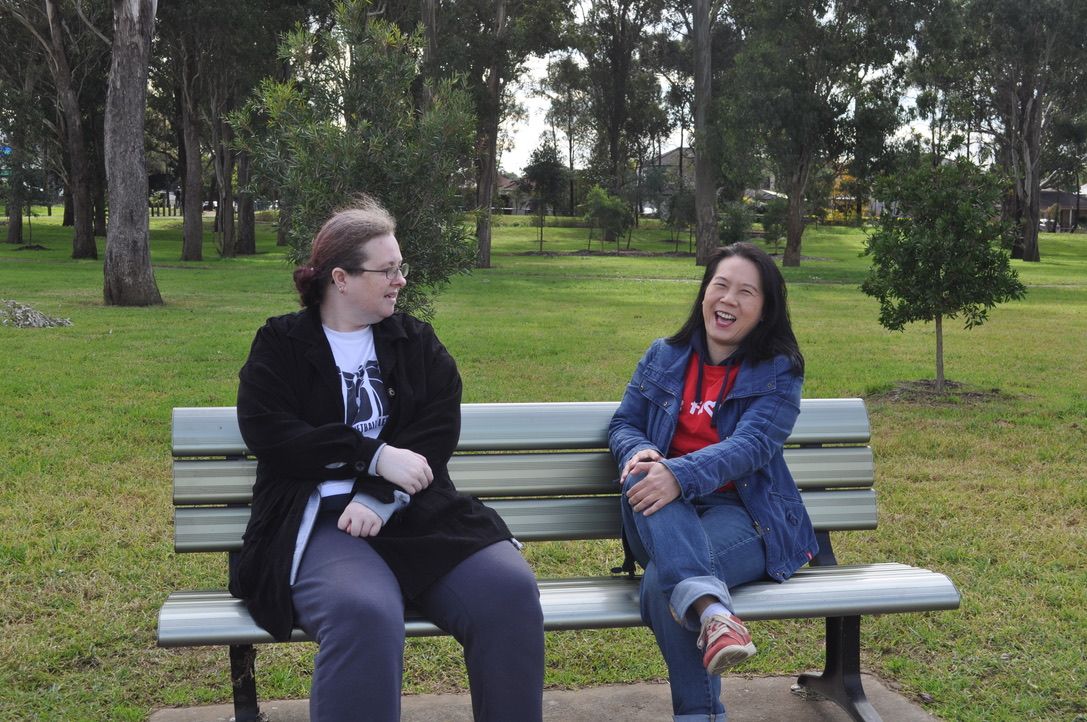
x=546 y=469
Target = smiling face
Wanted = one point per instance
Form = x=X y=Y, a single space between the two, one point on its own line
x=367 y=297
x=732 y=306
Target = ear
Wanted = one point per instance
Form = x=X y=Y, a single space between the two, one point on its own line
x=339 y=276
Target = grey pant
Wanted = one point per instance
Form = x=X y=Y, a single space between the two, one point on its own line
x=348 y=600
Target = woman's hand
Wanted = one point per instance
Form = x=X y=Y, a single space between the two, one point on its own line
x=657 y=489
x=640 y=463
x=403 y=467
x=359 y=520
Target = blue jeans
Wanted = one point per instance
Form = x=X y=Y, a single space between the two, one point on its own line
x=690 y=550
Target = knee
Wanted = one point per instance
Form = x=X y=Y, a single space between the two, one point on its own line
x=355 y=608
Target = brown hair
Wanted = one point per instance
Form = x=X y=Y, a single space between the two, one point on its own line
x=341 y=243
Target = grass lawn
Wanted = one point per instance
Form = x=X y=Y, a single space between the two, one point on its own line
x=987 y=486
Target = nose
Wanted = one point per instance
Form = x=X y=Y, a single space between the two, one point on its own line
x=400 y=280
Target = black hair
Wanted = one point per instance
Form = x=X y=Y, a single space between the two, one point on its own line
x=773 y=336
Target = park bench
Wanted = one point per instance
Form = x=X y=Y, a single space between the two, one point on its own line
x=546 y=469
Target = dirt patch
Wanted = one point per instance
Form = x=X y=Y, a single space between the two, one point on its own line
x=924 y=392
x=32 y=247
x=19 y=315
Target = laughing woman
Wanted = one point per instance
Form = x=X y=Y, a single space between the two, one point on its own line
x=709 y=503
x=353 y=411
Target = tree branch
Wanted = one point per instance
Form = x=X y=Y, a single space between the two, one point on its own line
x=89 y=24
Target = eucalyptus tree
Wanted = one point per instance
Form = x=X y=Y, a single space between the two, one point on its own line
x=565 y=87
x=128 y=278
x=1035 y=63
x=73 y=47
x=21 y=121
x=613 y=41
x=486 y=42
x=803 y=66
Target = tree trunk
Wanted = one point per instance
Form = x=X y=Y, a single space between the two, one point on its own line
x=794 y=222
x=192 y=246
x=224 y=176
x=939 y=354
x=704 y=192
x=283 y=224
x=129 y=279
x=247 y=231
x=488 y=153
x=17 y=185
x=83 y=245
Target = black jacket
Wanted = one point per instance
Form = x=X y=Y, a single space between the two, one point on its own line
x=291 y=414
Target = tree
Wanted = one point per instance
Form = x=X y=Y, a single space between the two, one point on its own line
x=564 y=86
x=611 y=42
x=545 y=176
x=346 y=122
x=803 y=66
x=486 y=42
x=129 y=280
x=63 y=38
x=941 y=253
x=608 y=212
x=705 y=190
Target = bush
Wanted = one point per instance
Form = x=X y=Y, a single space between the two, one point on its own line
x=734 y=224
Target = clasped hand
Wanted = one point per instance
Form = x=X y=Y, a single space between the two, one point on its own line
x=359 y=520
x=656 y=489
x=403 y=467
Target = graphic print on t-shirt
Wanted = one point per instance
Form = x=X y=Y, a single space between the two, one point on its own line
x=365 y=397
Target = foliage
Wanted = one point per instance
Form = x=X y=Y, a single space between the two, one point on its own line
x=608 y=212
x=79 y=592
x=773 y=221
x=735 y=222
x=545 y=175
x=942 y=253
x=346 y=124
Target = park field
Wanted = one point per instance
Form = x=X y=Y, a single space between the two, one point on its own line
x=988 y=485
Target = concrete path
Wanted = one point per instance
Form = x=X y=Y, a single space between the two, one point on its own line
x=756 y=699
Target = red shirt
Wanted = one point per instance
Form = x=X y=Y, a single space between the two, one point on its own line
x=695 y=428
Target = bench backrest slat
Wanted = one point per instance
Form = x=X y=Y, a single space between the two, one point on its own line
x=199 y=529
x=548 y=474
x=213 y=431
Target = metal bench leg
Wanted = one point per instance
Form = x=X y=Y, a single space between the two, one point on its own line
x=840 y=681
x=243 y=680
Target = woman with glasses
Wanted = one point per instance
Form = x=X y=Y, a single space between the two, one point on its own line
x=709 y=502
x=353 y=411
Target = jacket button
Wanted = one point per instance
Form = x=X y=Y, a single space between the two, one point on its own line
x=361 y=466
x=392 y=392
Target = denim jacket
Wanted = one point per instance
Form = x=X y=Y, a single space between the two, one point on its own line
x=753 y=422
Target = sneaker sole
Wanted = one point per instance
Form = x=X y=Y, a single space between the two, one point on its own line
x=730 y=657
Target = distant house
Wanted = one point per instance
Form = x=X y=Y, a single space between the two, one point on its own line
x=1059 y=209
x=511 y=198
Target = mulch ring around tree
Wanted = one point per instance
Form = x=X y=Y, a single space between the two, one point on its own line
x=924 y=392
x=19 y=315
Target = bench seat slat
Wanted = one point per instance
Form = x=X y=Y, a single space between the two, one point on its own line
x=214 y=617
x=200 y=481
x=213 y=431
x=199 y=529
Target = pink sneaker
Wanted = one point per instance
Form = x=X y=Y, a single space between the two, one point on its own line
x=725 y=642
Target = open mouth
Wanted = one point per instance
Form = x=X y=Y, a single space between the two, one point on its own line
x=724 y=319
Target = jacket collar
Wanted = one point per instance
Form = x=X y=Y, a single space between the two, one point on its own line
x=309 y=331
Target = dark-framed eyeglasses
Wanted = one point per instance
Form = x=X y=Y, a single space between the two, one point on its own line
x=390 y=273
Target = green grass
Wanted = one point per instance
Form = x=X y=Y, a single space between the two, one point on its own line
x=989 y=489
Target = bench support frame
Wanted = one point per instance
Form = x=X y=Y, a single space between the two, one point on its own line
x=243 y=679
x=840 y=681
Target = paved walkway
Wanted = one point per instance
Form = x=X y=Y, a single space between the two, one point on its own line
x=757 y=699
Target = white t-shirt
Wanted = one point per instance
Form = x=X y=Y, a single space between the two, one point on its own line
x=365 y=409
